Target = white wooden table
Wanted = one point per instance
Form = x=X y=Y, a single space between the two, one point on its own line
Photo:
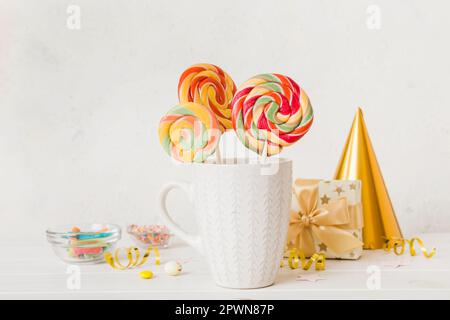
x=32 y=271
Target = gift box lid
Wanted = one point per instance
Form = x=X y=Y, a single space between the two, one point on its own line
x=334 y=189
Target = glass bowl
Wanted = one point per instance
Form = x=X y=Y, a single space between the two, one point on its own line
x=144 y=236
x=85 y=243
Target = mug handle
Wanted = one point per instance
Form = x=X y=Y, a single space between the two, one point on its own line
x=192 y=240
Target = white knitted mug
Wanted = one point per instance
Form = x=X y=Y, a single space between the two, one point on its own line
x=243 y=213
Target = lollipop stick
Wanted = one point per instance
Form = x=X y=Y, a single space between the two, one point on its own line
x=218 y=157
x=264 y=153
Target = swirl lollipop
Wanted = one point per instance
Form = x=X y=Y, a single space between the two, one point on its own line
x=210 y=86
x=270 y=111
x=189 y=132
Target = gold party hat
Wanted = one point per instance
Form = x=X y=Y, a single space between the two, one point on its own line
x=358 y=161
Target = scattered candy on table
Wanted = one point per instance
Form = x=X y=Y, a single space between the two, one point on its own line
x=189 y=132
x=173 y=268
x=146 y=274
x=145 y=235
x=210 y=86
x=270 y=108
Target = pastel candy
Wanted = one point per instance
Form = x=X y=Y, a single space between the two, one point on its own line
x=173 y=268
x=189 y=132
x=78 y=251
x=210 y=86
x=93 y=236
x=146 y=274
x=270 y=107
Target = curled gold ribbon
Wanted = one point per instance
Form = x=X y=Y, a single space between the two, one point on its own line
x=133 y=257
x=398 y=245
x=297 y=258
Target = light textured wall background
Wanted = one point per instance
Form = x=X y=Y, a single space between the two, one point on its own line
x=79 y=109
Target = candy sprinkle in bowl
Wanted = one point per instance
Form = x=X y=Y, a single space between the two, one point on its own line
x=155 y=235
x=84 y=243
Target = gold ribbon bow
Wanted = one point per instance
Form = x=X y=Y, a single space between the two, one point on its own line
x=327 y=223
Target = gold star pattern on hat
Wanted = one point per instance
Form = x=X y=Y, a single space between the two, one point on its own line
x=352 y=186
x=324 y=199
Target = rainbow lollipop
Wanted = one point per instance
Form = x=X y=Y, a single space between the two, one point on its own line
x=270 y=111
x=210 y=86
x=189 y=132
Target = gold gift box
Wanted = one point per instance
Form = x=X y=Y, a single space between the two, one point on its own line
x=327 y=217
